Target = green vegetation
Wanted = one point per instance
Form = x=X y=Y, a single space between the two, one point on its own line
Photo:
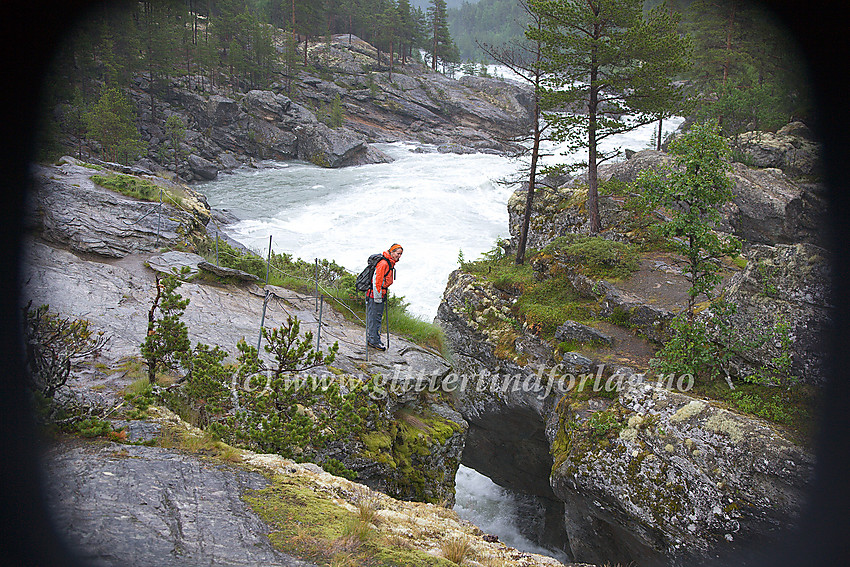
x=692 y=192
x=129 y=185
x=229 y=45
x=281 y=407
x=53 y=345
x=166 y=345
x=747 y=72
x=612 y=59
x=545 y=300
x=110 y=122
x=593 y=256
x=490 y=22
x=334 y=281
x=713 y=352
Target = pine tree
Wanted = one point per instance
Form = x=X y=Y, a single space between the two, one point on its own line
x=613 y=66
x=166 y=345
x=389 y=24
x=745 y=70
x=525 y=59
x=441 y=40
x=407 y=29
x=111 y=123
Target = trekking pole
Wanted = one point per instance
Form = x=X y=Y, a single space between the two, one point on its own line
x=387 y=317
x=316 y=277
x=216 y=249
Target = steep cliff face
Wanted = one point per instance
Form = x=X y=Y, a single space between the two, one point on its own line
x=226 y=129
x=637 y=471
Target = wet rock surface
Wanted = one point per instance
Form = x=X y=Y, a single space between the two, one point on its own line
x=132 y=505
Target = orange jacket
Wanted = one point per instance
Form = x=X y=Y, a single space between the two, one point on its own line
x=383 y=277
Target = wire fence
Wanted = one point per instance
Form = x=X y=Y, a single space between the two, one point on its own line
x=320 y=293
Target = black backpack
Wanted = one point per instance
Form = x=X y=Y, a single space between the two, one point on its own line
x=364 y=280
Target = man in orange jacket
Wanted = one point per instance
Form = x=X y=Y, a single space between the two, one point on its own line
x=377 y=294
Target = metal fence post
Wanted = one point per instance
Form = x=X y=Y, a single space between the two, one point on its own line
x=263 y=321
x=158 y=218
x=316 y=277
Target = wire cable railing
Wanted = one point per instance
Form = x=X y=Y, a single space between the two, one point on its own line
x=320 y=291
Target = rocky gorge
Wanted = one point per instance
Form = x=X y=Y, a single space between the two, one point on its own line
x=631 y=467
x=160 y=491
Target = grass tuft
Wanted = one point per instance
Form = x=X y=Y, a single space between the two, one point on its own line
x=457 y=549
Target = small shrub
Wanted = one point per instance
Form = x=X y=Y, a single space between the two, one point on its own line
x=53 y=345
x=602 y=423
x=336 y=468
x=93 y=427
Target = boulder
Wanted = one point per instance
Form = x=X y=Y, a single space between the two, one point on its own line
x=769 y=208
x=327 y=147
x=787 y=284
x=163 y=507
x=576 y=332
x=792 y=149
x=266 y=105
x=675 y=479
x=221 y=110
x=202 y=168
x=227 y=272
x=174 y=262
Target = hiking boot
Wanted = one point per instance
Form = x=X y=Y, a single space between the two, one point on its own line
x=378 y=346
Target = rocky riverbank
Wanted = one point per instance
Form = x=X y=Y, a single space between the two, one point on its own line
x=227 y=129
x=161 y=492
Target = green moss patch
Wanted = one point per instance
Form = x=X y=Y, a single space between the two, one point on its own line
x=129 y=185
x=405 y=446
x=594 y=257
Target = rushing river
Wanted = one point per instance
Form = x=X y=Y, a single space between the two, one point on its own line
x=435 y=205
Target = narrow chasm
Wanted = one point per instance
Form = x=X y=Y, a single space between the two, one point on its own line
x=510 y=447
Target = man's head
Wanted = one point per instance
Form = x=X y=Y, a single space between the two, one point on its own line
x=395 y=252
